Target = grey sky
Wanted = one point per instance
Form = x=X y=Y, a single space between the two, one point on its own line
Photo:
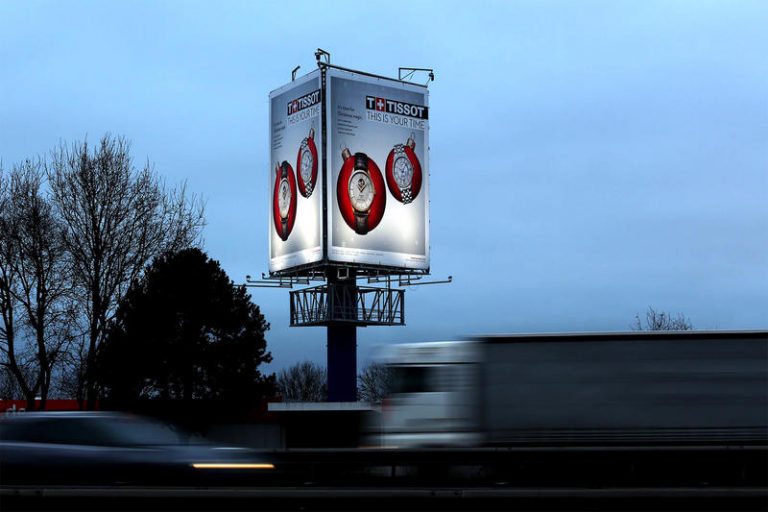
x=588 y=159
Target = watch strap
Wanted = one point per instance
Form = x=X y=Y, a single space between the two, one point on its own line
x=361 y=222
x=361 y=162
x=405 y=194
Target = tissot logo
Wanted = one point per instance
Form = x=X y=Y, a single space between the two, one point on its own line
x=303 y=102
x=396 y=107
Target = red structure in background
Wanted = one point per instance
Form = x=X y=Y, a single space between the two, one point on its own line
x=50 y=405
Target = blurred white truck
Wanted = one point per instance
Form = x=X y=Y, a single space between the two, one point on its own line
x=628 y=389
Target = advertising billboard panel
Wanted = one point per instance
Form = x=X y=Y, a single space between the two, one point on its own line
x=378 y=171
x=295 y=187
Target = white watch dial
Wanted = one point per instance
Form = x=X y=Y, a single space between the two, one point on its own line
x=403 y=171
x=306 y=165
x=284 y=198
x=360 y=191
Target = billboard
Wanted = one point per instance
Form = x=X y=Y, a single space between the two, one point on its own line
x=295 y=187
x=378 y=171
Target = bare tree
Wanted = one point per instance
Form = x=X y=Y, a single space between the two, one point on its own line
x=34 y=286
x=662 y=321
x=116 y=219
x=9 y=388
x=70 y=381
x=303 y=382
x=8 y=284
x=375 y=383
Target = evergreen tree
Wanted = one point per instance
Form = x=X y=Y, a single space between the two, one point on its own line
x=185 y=332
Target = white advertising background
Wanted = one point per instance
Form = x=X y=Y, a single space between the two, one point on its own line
x=402 y=237
x=286 y=132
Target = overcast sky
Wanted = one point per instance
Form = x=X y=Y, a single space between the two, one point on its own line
x=588 y=159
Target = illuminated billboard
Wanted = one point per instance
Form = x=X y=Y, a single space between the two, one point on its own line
x=295 y=189
x=378 y=171
x=349 y=173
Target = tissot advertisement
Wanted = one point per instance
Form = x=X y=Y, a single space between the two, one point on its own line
x=295 y=217
x=378 y=173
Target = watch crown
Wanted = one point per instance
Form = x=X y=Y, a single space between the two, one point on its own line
x=312 y=132
x=346 y=153
x=411 y=143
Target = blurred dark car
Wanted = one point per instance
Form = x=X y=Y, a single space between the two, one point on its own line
x=107 y=448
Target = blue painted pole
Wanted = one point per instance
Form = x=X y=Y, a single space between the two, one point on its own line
x=342 y=363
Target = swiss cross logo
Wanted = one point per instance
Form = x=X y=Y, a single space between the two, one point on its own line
x=294 y=106
x=381 y=104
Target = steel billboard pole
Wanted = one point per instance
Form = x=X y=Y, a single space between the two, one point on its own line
x=341 y=335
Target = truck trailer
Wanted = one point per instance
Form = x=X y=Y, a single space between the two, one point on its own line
x=632 y=389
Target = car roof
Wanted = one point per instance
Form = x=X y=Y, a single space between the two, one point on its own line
x=37 y=415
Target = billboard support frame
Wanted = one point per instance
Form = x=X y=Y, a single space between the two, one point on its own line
x=324 y=65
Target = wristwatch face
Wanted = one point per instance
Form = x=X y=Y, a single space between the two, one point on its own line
x=306 y=165
x=360 y=191
x=403 y=171
x=284 y=198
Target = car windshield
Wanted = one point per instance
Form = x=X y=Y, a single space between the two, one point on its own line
x=131 y=431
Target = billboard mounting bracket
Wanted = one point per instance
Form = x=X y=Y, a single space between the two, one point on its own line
x=322 y=54
x=405 y=74
x=274 y=282
x=408 y=280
